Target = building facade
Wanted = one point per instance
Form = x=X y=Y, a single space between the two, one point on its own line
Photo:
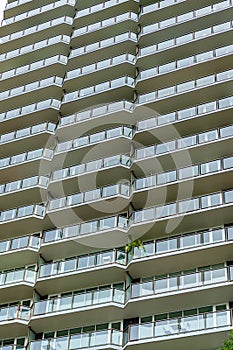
x=116 y=129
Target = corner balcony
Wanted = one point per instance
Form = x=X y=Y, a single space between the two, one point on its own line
x=197 y=212
x=19 y=251
x=103 y=49
x=112 y=169
x=91 y=204
x=215 y=113
x=27 y=115
x=98 y=12
x=14 y=321
x=176 y=253
x=104 y=305
x=23 y=191
x=193 y=20
x=37 y=33
x=164 y=9
x=201 y=178
x=181 y=291
x=190 y=67
x=105 y=28
x=86 y=236
x=37 y=51
x=110 y=67
x=207 y=329
x=107 y=339
x=165 y=51
x=184 y=151
x=204 y=89
x=109 y=114
x=25 y=164
x=22 y=220
x=81 y=272
x=17 y=283
x=33 y=136
x=55 y=65
x=102 y=93
x=35 y=91
x=86 y=148
x=38 y=15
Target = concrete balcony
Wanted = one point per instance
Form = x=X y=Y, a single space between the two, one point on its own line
x=85 y=237
x=52 y=66
x=35 y=161
x=17 y=7
x=94 y=72
x=102 y=11
x=195 y=20
x=99 y=94
x=30 y=114
x=14 y=321
x=104 y=29
x=86 y=148
x=103 y=49
x=38 y=15
x=23 y=191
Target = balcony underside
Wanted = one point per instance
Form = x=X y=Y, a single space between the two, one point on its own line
x=16 y=291
x=13 y=328
x=20 y=257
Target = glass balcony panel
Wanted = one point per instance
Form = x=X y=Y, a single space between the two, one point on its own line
x=205 y=56
x=165 y=210
x=187 y=113
x=89 y=227
x=4 y=246
x=75 y=199
x=188 y=205
x=118 y=296
x=105 y=258
x=77 y=169
x=164 y=45
x=121 y=257
x=67 y=266
x=188 y=172
x=145 y=152
x=61 y=343
x=206 y=108
x=225 y=75
x=211 y=200
x=208 y=136
x=86 y=262
x=167 y=177
x=167 y=245
x=211 y=167
x=228 y=163
x=14 y=276
x=223 y=318
x=166 y=147
x=189 y=241
x=185 y=86
x=144 y=215
x=19 y=158
x=166 y=92
x=149 y=181
x=8 y=215
x=202 y=33
x=110 y=191
x=166 y=119
x=228 y=196
x=57 y=203
x=190 y=280
x=25 y=211
x=185 y=17
x=35 y=154
x=19 y=243
x=13 y=186
x=7 y=137
x=146 y=124
x=184 y=39
x=205 y=81
x=227 y=131
x=95 y=165
x=148 y=250
x=187 y=142
x=190 y=324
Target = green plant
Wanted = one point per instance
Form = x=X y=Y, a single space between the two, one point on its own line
x=228 y=344
x=134 y=244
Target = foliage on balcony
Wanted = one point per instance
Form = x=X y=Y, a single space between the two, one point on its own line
x=134 y=244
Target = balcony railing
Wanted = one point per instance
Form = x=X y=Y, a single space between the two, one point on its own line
x=187 y=206
x=32 y=87
x=191 y=172
x=96 y=112
x=34 y=66
x=185 y=17
x=23 y=184
x=100 y=7
x=187 y=38
x=185 y=62
x=179 y=326
x=34 y=210
x=27 y=132
x=108 y=63
x=37 y=28
x=94 y=138
x=105 y=23
x=26 y=157
x=159 y=5
x=93 y=166
x=180 y=282
x=185 y=114
x=38 y=11
x=188 y=86
x=17 y=276
x=34 y=107
x=185 y=142
x=103 y=43
x=34 y=47
x=85 y=197
x=97 y=339
x=14 y=313
x=96 y=89
x=79 y=300
x=19 y=243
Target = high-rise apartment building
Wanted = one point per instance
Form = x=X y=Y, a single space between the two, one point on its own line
x=116 y=128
